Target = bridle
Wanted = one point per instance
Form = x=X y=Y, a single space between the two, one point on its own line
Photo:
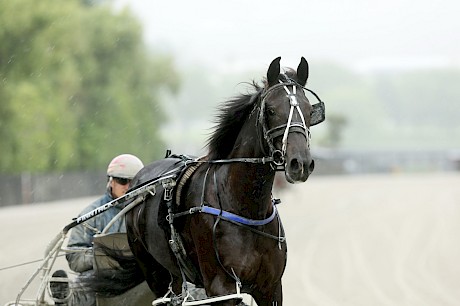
x=278 y=156
x=275 y=157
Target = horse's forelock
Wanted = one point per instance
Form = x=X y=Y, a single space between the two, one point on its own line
x=290 y=73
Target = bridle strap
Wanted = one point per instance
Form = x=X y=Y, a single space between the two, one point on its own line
x=294 y=105
x=280 y=130
x=285 y=129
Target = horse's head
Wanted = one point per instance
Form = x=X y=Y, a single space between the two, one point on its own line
x=286 y=116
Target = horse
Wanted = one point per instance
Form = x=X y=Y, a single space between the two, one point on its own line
x=217 y=226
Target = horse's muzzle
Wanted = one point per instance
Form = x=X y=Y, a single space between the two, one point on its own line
x=298 y=169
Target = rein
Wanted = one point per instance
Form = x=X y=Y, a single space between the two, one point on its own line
x=253 y=160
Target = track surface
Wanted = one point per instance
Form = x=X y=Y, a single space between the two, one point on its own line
x=352 y=240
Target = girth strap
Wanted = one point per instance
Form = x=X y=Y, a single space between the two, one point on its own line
x=239 y=219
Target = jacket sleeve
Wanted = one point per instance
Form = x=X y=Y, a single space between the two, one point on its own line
x=81 y=239
x=81 y=260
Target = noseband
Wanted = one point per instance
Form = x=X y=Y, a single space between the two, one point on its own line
x=284 y=129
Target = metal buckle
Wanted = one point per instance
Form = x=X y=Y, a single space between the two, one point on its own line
x=168 y=186
x=278 y=158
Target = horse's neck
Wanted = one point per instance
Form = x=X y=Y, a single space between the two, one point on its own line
x=249 y=188
x=251 y=183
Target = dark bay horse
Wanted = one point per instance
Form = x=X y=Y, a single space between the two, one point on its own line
x=221 y=229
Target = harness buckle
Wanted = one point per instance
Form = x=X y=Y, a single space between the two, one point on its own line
x=168 y=194
x=168 y=186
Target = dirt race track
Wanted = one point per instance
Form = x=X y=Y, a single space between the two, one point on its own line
x=352 y=240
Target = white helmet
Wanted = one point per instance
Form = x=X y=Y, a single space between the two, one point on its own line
x=124 y=166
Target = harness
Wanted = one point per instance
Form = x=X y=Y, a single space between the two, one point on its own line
x=173 y=189
x=222 y=214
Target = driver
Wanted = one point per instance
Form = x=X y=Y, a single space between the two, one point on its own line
x=120 y=172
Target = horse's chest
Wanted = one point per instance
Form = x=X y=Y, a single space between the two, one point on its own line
x=259 y=254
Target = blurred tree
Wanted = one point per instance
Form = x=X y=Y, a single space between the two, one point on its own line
x=77 y=86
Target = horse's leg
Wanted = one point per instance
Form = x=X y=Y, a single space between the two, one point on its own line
x=220 y=285
x=273 y=298
x=156 y=276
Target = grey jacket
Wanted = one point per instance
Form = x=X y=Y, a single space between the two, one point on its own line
x=81 y=236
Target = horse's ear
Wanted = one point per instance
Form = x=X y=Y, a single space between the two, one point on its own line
x=302 y=71
x=273 y=72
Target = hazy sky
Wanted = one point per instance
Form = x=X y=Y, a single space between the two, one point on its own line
x=360 y=33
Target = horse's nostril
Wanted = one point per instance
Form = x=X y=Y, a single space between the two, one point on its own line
x=295 y=165
x=312 y=166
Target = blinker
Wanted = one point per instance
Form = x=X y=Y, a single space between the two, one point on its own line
x=318 y=113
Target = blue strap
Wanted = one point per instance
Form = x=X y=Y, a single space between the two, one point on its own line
x=236 y=218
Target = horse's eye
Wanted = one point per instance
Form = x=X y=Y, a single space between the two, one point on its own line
x=271 y=112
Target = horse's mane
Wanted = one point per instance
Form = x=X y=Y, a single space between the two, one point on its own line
x=229 y=120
